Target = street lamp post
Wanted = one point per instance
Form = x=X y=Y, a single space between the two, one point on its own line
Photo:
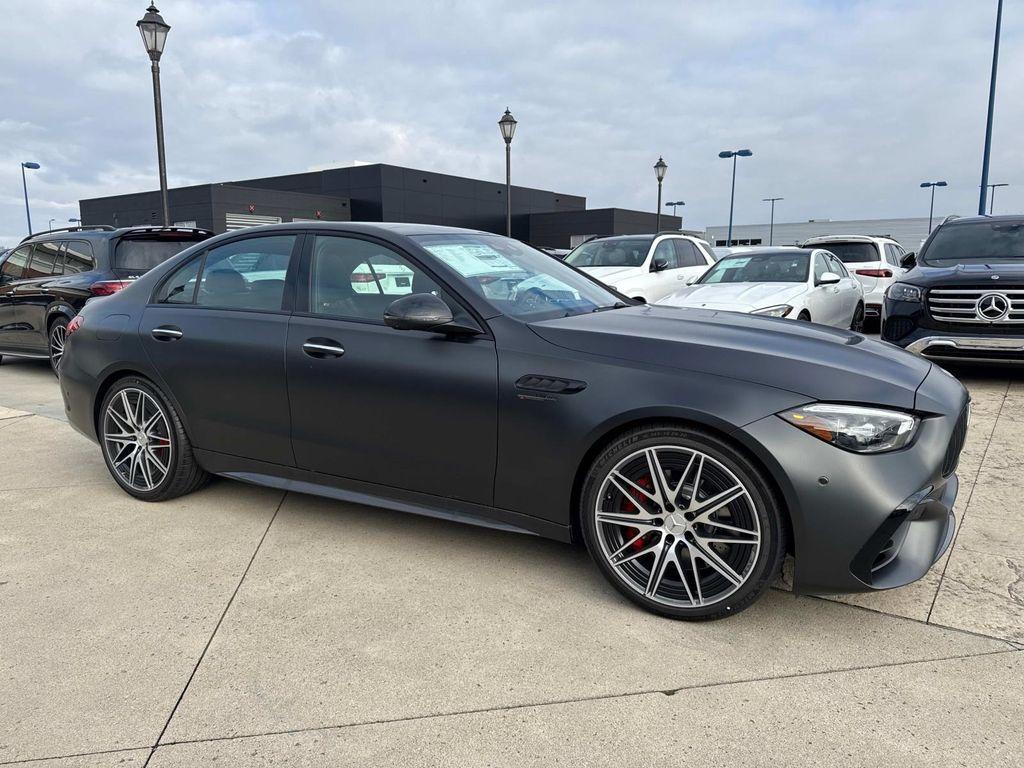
x=154 y=34
x=991 y=110
x=508 y=130
x=732 y=196
x=660 y=168
x=771 y=225
x=50 y=225
x=992 y=196
x=673 y=206
x=931 y=209
x=24 y=187
x=75 y=221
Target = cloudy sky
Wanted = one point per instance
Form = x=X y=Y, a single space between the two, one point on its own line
x=847 y=105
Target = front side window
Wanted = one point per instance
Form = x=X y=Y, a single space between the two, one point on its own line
x=789 y=267
x=687 y=254
x=516 y=279
x=78 y=257
x=257 y=286
x=44 y=260
x=820 y=267
x=665 y=253
x=14 y=267
x=357 y=279
x=619 y=252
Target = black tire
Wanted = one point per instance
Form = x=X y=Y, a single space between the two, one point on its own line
x=55 y=338
x=804 y=315
x=762 y=565
x=183 y=475
x=857 y=325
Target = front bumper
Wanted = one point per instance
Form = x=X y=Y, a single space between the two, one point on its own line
x=868 y=522
x=1006 y=349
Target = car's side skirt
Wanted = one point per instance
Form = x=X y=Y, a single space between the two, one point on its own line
x=371 y=494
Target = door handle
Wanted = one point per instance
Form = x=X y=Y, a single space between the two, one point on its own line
x=323 y=348
x=166 y=333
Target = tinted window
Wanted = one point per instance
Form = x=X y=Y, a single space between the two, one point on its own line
x=625 y=252
x=759 y=268
x=851 y=253
x=140 y=256
x=44 y=260
x=180 y=288
x=820 y=267
x=14 y=267
x=983 y=241
x=252 y=287
x=516 y=279
x=78 y=257
x=358 y=279
x=666 y=252
x=687 y=254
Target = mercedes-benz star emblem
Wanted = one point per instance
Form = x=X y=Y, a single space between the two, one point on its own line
x=992 y=307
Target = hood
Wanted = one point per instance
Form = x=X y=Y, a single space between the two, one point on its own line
x=606 y=273
x=978 y=274
x=738 y=297
x=817 y=361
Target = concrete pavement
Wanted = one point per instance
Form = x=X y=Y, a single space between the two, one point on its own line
x=250 y=627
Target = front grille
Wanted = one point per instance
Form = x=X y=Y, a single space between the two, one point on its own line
x=956 y=442
x=959 y=305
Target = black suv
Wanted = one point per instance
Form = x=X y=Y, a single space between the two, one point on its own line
x=963 y=296
x=49 y=276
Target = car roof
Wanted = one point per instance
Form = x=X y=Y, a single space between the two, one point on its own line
x=1006 y=218
x=102 y=232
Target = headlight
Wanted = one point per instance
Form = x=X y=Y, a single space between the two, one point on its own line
x=779 y=310
x=853 y=428
x=903 y=292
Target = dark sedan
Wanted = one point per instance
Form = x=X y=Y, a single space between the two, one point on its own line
x=464 y=375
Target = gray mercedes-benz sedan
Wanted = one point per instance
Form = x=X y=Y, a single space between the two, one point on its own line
x=467 y=376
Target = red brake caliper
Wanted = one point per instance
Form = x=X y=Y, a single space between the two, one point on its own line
x=627 y=508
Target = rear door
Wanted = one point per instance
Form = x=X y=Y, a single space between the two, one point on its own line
x=11 y=273
x=217 y=338
x=850 y=291
x=692 y=260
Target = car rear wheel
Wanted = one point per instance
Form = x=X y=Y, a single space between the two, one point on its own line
x=858 y=319
x=144 y=443
x=58 y=335
x=681 y=523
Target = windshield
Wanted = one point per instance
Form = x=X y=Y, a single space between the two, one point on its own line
x=517 y=279
x=759 y=268
x=977 y=242
x=851 y=253
x=142 y=255
x=627 y=252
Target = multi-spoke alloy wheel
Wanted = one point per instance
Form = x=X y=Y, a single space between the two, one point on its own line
x=144 y=443
x=58 y=335
x=682 y=523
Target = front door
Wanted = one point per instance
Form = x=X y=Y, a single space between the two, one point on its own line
x=11 y=274
x=32 y=296
x=217 y=335
x=408 y=410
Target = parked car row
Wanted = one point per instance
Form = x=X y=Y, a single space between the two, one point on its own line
x=464 y=375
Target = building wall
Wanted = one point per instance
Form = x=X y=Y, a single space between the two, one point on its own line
x=565 y=229
x=907 y=232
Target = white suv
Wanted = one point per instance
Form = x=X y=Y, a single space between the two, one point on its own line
x=645 y=267
x=875 y=261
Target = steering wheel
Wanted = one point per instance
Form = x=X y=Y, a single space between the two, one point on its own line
x=532 y=299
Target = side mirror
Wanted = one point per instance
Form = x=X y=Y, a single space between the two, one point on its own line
x=424 y=312
x=909 y=260
x=659 y=264
x=829 y=278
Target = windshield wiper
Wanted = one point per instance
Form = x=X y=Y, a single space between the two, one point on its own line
x=616 y=305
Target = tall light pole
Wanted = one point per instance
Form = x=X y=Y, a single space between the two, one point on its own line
x=154 y=34
x=75 y=221
x=992 y=196
x=771 y=225
x=50 y=225
x=732 y=197
x=660 y=168
x=674 y=206
x=991 y=110
x=24 y=186
x=508 y=130
x=931 y=209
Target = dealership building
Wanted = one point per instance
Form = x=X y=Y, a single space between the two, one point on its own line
x=909 y=233
x=378 y=192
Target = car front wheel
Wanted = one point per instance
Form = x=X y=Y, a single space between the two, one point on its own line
x=681 y=523
x=144 y=443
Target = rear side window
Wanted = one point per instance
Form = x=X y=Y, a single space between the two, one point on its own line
x=78 y=257
x=246 y=274
x=853 y=253
x=181 y=287
x=44 y=260
x=139 y=255
x=14 y=267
